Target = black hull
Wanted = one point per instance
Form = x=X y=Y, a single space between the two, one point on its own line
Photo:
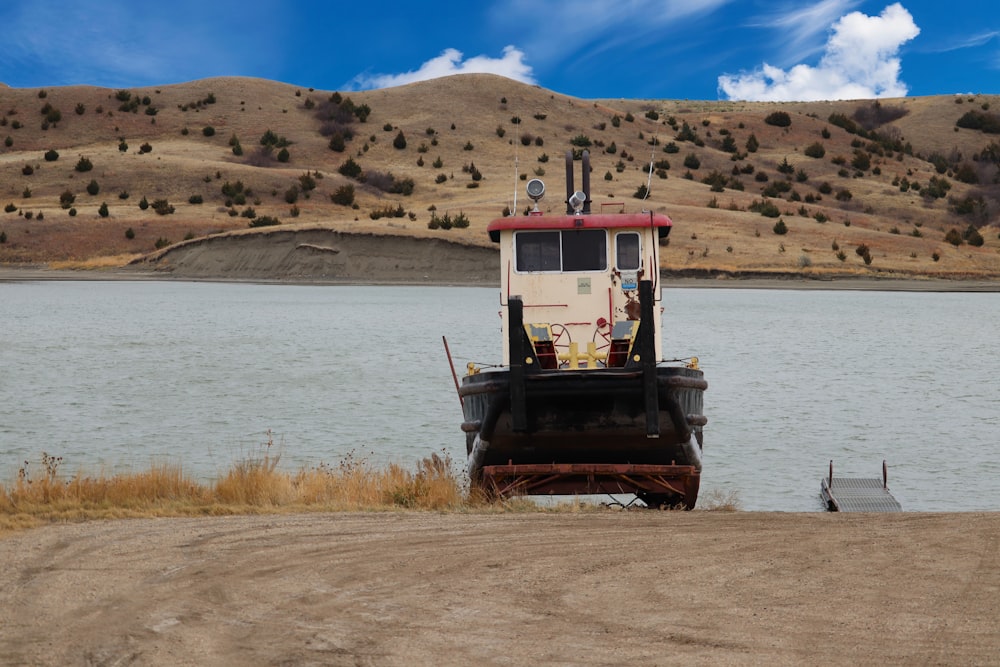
x=585 y=420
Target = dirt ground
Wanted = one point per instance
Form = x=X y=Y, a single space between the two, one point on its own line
x=649 y=588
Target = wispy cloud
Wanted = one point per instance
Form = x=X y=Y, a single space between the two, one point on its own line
x=452 y=61
x=124 y=43
x=804 y=29
x=971 y=42
x=860 y=60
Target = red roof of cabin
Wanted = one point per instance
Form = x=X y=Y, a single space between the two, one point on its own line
x=592 y=221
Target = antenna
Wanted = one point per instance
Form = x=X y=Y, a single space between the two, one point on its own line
x=649 y=177
x=513 y=211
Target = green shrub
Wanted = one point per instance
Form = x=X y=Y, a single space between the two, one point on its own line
x=208 y=131
x=283 y=155
x=350 y=168
x=765 y=208
x=400 y=141
x=780 y=228
x=195 y=199
x=130 y=233
x=815 y=150
x=103 y=210
x=862 y=160
x=778 y=119
x=692 y=161
x=162 y=207
x=84 y=164
x=10 y=208
x=145 y=148
x=161 y=243
x=264 y=221
x=581 y=141
x=344 y=195
x=973 y=237
x=143 y=203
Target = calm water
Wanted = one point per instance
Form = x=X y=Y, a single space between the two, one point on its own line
x=117 y=376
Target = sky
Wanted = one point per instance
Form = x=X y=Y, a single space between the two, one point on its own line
x=778 y=50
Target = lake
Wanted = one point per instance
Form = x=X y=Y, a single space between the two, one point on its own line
x=115 y=376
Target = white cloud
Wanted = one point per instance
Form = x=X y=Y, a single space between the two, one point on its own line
x=860 y=61
x=511 y=65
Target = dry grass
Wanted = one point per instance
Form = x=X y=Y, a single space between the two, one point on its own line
x=256 y=485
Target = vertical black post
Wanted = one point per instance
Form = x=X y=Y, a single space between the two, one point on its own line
x=647 y=350
x=516 y=340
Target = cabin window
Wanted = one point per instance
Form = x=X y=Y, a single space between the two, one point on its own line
x=627 y=256
x=566 y=250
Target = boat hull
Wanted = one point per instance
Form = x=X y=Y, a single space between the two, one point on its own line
x=587 y=431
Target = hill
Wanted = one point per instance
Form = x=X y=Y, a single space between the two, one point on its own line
x=98 y=177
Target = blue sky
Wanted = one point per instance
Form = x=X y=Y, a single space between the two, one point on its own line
x=633 y=49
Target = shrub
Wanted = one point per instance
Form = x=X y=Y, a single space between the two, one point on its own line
x=10 y=208
x=973 y=237
x=195 y=199
x=27 y=170
x=283 y=155
x=208 y=131
x=440 y=178
x=765 y=208
x=581 y=141
x=84 y=164
x=344 y=195
x=350 y=168
x=778 y=119
x=161 y=243
x=143 y=203
x=162 y=207
x=145 y=148
x=844 y=195
x=103 y=210
x=66 y=199
x=130 y=233
x=264 y=221
x=862 y=160
x=93 y=188
x=780 y=228
x=400 y=141
x=692 y=161
x=815 y=150
x=978 y=120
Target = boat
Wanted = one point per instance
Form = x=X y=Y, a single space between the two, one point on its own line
x=582 y=402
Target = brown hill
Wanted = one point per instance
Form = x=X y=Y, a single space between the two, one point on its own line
x=174 y=144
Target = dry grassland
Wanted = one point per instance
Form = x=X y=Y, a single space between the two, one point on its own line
x=458 y=120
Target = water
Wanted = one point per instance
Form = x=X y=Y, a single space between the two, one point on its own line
x=117 y=376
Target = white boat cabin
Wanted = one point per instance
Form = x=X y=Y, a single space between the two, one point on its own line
x=578 y=276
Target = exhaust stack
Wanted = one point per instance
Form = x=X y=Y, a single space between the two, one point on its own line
x=572 y=197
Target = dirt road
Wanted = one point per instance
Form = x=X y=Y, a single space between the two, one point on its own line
x=649 y=588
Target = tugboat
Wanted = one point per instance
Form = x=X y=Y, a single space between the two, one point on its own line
x=582 y=403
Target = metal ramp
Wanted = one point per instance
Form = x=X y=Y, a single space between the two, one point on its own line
x=854 y=494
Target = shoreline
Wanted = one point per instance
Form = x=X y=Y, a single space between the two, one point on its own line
x=425 y=588
x=668 y=281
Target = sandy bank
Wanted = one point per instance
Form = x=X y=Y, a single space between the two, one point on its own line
x=698 y=588
x=325 y=256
